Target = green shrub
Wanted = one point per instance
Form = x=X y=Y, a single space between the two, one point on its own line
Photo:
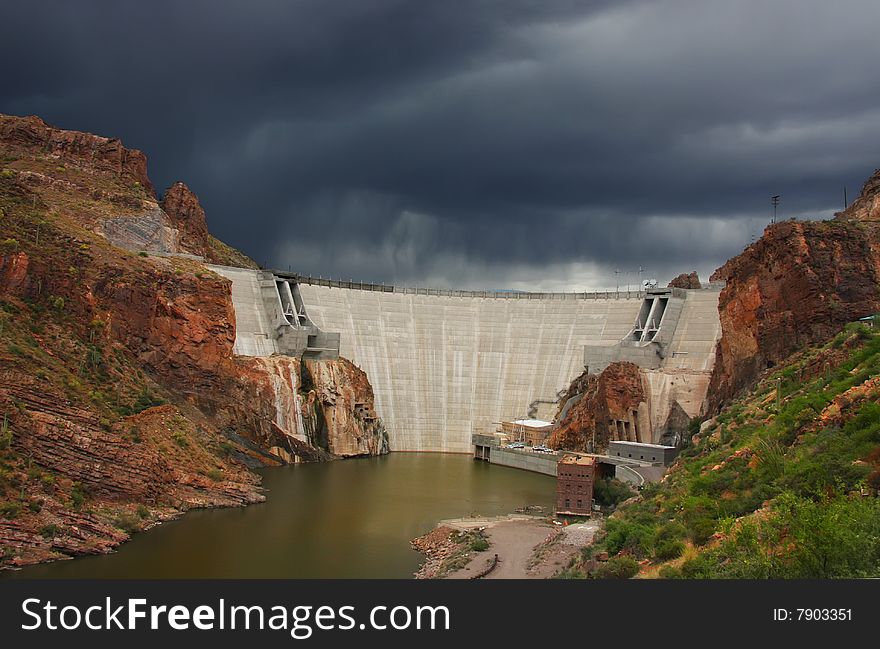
x=617 y=568
x=701 y=529
x=127 y=523
x=49 y=531
x=628 y=535
x=700 y=567
x=10 y=509
x=668 y=549
x=145 y=400
x=478 y=545
x=671 y=572
x=78 y=495
x=610 y=492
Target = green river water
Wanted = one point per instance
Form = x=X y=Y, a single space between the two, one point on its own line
x=346 y=519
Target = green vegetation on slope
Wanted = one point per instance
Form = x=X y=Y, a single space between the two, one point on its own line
x=782 y=484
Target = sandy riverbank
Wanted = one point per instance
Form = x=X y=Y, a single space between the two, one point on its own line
x=527 y=547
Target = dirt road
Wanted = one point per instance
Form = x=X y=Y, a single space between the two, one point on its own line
x=527 y=547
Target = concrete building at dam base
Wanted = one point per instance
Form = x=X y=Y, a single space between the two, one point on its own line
x=446 y=364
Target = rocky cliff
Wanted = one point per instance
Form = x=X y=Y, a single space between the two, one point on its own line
x=598 y=409
x=866 y=208
x=686 y=280
x=93 y=154
x=797 y=285
x=121 y=401
x=187 y=215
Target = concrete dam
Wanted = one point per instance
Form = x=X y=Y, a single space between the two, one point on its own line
x=446 y=364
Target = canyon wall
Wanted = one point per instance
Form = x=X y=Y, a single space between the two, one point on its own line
x=797 y=285
x=122 y=401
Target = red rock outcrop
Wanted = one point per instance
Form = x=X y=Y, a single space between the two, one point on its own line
x=71 y=440
x=612 y=396
x=118 y=382
x=796 y=286
x=13 y=272
x=866 y=208
x=91 y=152
x=686 y=280
x=187 y=215
x=340 y=410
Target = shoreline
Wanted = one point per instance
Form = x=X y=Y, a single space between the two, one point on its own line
x=267 y=493
x=159 y=515
x=515 y=546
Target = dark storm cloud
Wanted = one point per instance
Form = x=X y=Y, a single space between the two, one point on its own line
x=511 y=143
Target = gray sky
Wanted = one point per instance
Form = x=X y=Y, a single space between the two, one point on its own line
x=532 y=144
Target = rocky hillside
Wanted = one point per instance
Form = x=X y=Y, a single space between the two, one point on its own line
x=794 y=287
x=783 y=483
x=121 y=401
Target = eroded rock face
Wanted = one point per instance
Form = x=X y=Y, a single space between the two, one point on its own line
x=796 y=286
x=686 y=280
x=71 y=440
x=118 y=383
x=339 y=410
x=187 y=215
x=866 y=208
x=13 y=273
x=613 y=395
x=92 y=152
x=182 y=329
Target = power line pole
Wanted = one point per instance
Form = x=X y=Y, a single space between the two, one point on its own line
x=775 y=201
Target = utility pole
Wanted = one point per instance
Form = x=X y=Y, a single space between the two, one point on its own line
x=775 y=201
x=617 y=280
x=845 y=202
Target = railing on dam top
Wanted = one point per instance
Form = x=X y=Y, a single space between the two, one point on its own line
x=443 y=292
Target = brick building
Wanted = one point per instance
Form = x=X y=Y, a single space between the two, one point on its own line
x=574 y=485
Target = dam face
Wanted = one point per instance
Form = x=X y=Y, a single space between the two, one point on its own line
x=444 y=367
x=447 y=364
